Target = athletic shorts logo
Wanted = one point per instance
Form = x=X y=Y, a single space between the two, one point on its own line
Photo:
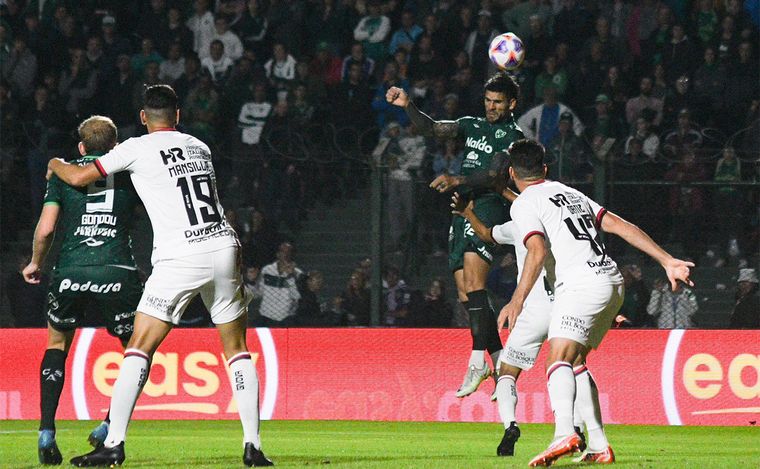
x=67 y=284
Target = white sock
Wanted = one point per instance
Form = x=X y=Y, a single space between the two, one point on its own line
x=133 y=375
x=587 y=405
x=245 y=387
x=562 y=395
x=477 y=358
x=506 y=398
x=495 y=359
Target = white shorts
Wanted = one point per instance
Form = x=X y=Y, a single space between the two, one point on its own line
x=526 y=338
x=585 y=314
x=215 y=275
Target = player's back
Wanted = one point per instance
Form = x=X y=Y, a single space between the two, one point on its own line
x=94 y=220
x=173 y=175
x=571 y=223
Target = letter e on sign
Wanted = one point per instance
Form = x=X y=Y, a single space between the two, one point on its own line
x=694 y=372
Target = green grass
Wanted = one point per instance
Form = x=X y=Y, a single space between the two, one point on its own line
x=213 y=444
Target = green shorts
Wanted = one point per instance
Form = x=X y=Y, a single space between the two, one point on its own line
x=79 y=291
x=492 y=210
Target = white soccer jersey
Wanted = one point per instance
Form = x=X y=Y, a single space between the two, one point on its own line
x=569 y=221
x=173 y=175
x=541 y=293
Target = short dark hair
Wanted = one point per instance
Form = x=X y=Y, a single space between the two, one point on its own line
x=160 y=103
x=503 y=83
x=97 y=134
x=527 y=158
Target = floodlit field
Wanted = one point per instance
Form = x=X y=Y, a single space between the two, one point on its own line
x=214 y=444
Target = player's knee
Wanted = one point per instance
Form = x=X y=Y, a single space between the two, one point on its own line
x=509 y=370
x=59 y=340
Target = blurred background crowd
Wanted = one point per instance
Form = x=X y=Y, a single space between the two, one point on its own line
x=654 y=106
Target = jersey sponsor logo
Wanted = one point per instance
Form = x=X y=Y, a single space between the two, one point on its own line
x=472 y=156
x=67 y=284
x=481 y=144
x=207 y=232
x=127 y=315
x=57 y=320
x=172 y=154
x=99 y=219
x=500 y=133
x=52 y=375
x=161 y=305
x=603 y=263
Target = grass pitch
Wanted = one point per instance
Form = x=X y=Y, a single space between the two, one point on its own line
x=333 y=444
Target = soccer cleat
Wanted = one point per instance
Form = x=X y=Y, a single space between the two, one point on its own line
x=47 y=449
x=556 y=450
x=472 y=380
x=255 y=457
x=579 y=432
x=507 y=445
x=603 y=457
x=101 y=457
x=98 y=435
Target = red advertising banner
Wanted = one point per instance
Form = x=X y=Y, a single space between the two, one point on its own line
x=675 y=377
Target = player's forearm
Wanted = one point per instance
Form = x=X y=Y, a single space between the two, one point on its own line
x=43 y=239
x=482 y=231
x=531 y=271
x=637 y=238
x=429 y=127
x=68 y=173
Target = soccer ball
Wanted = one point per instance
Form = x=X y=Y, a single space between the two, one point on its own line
x=506 y=51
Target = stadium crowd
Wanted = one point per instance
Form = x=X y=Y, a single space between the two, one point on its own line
x=290 y=96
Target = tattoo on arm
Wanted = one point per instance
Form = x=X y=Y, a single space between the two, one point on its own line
x=429 y=127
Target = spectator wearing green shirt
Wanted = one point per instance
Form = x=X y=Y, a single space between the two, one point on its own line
x=551 y=77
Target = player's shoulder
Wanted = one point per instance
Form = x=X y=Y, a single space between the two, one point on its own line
x=469 y=121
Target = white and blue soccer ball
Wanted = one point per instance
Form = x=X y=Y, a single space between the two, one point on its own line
x=507 y=51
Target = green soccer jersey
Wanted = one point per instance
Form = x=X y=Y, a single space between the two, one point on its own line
x=483 y=140
x=94 y=220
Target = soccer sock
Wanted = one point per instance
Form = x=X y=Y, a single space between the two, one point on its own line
x=245 y=387
x=506 y=398
x=485 y=335
x=132 y=377
x=562 y=395
x=587 y=405
x=52 y=374
x=477 y=359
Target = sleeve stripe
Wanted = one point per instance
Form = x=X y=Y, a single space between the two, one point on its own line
x=100 y=169
x=540 y=233
x=51 y=202
x=599 y=217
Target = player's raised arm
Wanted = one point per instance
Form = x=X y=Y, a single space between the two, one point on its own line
x=676 y=269
x=463 y=208
x=43 y=239
x=74 y=175
x=425 y=125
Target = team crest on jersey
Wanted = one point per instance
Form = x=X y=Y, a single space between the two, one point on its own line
x=472 y=156
x=500 y=133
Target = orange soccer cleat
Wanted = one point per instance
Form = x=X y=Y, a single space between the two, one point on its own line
x=603 y=457
x=556 y=450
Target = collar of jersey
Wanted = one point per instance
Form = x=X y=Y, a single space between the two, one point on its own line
x=535 y=183
x=94 y=155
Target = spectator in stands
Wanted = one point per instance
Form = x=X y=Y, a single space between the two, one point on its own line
x=728 y=40
x=684 y=136
x=675 y=102
x=233 y=48
x=147 y=54
x=20 y=70
x=78 y=83
x=353 y=305
x=636 y=105
x=384 y=111
x=636 y=300
x=742 y=85
x=424 y=63
x=520 y=17
x=660 y=86
x=407 y=33
x=353 y=96
x=649 y=141
x=706 y=22
x=280 y=70
x=728 y=199
x=432 y=309
x=174 y=65
x=372 y=31
x=252 y=27
x=603 y=123
x=201 y=109
x=113 y=43
x=709 y=82
x=118 y=101
x=358 y=56
x=672 y=309
x=189 y=79
x=687 y=203
x=568 y=155
x=659 y=38
x=175 y=32
x=612 y=49
x=278 y=282
x=746 y=313
x=261 y=246
x=312 y=311
x=542 y=122
x=478 y=41
x=551 y=77
x=218 y=64
x=152 y=22
x=201 y=23
x=396 y=297
x=539 y=42
x=678 y=55
x=573 y=23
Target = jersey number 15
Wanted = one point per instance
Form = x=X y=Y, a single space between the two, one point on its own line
x=199 y=188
